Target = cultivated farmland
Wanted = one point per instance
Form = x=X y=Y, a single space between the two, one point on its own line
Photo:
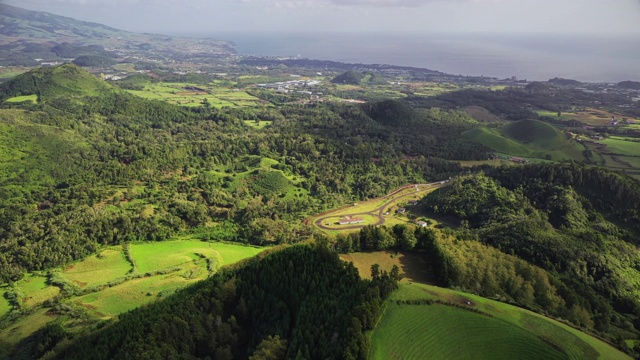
x=112 y=282
x=186 y=94
x=423 y=321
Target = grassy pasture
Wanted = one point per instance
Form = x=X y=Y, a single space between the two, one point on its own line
x=25 y=326
x=590 y=116
x=132 y=294
x=108 y=265
x=260 y=125
x=184 y=255
x=36 y=291
x=17 y=99
x=622 y=146
x=500 y=331
x=492 y=162
x=5 y=307
x=412 y=265
x=181 y=262
x=177 y=93
x=157 y=256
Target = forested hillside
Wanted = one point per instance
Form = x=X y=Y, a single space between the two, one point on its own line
x=578 y=223
x=131 y=169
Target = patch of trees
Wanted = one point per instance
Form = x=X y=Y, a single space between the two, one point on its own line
x=352 y=77
x=633 y=85
x=564 y=82
x=302 y=302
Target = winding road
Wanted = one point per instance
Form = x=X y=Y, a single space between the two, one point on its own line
x=376 y=213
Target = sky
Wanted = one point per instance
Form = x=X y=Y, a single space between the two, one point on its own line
x=592 y=17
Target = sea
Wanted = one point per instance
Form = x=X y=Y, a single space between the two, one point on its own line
x=589 y=58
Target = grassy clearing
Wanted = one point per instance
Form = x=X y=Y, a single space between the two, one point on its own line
x=258 y=125
x=168 y=254
x=157 y=256
x=17 y=99
x=499 y=331
x=24 y=327
x=5 y=307
x=412 y=265
x=36 y=291
x=132 y=294
x=108 y=265
x=493 y=162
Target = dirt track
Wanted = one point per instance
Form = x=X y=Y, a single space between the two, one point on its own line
x=375 y=213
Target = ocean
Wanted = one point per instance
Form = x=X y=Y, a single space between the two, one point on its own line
x=533 y=57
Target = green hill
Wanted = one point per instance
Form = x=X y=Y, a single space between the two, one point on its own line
x=352 y=77
x=423 y=320
x=53 y=82
x=535 y=133
x=34 y=154
x=528 y=138
x=493 y=139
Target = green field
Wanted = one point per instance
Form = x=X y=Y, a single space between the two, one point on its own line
x=132 y=294
x=622 y=146
x=157 y=256
x=5 y=307
x=182 y=262
x=35 y=290
x=476 y=328
x=170 y=265
x=184 y=95
x=259 y=125
x=529 y=139
x=25 y=326
x=590 y=116
x=17 y=99
x=108 y=265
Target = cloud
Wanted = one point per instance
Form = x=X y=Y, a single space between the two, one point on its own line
x=347 y=3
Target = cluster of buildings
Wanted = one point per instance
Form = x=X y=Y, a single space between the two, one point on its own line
x=289 y=86
x=348 y=220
